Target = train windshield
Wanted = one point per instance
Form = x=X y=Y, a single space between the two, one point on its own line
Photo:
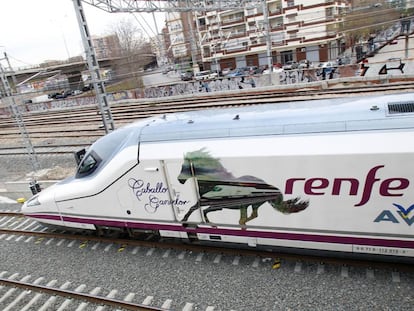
x=101 y=151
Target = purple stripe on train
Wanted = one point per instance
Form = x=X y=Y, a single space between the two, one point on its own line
x=236 y=232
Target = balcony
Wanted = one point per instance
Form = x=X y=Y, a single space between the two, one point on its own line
x=230 y=21
x=278 y=26
x=232 y=18
x=276 y=11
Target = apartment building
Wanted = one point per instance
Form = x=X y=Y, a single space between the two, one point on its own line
x=106 y=46
x=182 y=46
x=297 y=29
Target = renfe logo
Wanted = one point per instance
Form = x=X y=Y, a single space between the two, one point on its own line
x=390 y=187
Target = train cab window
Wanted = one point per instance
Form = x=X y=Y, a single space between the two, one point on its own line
x=88 y=165
x=102 y=151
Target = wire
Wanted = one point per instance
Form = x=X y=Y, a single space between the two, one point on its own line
x=23 y=62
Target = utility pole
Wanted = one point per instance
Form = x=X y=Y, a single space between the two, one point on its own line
x=93 y=65
x=405 y=30
x=268 y=40
x=19 y=120
x=193 y=47
x=11 y=71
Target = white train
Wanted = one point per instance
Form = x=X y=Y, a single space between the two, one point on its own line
x=325 y=175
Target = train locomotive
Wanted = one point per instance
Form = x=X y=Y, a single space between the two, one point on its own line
x=332 y=175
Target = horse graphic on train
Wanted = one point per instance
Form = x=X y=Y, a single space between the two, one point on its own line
x=218 y=189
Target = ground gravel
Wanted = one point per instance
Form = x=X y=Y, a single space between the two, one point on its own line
x=53 y=167
x=223 y=285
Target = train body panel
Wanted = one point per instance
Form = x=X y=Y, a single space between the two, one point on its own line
x=352 y=197
x=334 y=176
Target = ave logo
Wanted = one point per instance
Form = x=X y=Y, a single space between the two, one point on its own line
x=402 y=212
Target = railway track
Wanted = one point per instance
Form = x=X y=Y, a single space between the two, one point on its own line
x=11 y=224
x=47 y=294
x=24 y=295
x=54 y=132
x=142 y=109
x=20 y=291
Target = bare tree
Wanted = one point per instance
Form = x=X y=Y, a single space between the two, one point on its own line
x=129 y=35
x=135 y=51
x=367 y=18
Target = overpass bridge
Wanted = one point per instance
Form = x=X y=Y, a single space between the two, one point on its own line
x=73 y=71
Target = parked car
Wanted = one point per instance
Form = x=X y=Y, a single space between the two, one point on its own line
x=53 y=95
x=304 y=64
x=260 y=70
x=60 y=95
x=289 y=65
x=330 y=64
x=327 y=69
x=235 y=73
x=226 y=71
x=275 y=70
x=187 y=76
x=167 y=70
x=64 y=94
x=250 y=69
x=205 y=75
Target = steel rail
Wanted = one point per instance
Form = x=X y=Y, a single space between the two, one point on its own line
x=116 y=303
x=251 y=94
x=214 y=249
x=61 y=117
x=14 y=214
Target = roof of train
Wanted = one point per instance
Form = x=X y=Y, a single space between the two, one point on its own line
x=315 y=116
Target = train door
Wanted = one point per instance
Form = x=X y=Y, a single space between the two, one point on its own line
x=183 y=192
x=150 y=193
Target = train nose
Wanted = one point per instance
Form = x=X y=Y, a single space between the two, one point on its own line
x=42 y=208
x=40 y=202
x=31 y=204
x=34 y=201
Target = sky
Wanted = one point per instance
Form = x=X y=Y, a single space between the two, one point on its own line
x=34 y=31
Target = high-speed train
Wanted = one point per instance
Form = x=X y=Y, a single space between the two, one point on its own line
x=332 y=175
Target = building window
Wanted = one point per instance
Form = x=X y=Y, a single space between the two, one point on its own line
x=290 y=3
x=276 y=23
x=329 y=13
x=206 y=51
x=175 y=26
x=275 y=7
x=286 y=56
x=202 y=21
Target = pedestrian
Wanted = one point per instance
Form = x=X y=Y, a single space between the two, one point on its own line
x=206 y=87
x=251 y=82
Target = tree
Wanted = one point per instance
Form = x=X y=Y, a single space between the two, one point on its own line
x=135 y=51
x=366 y=18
